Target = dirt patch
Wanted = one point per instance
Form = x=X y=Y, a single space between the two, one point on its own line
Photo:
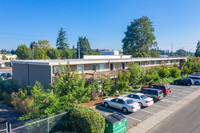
x=93 y=103
x=8 y=114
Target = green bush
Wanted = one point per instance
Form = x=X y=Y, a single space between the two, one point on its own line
x=86 y=120
x=164 y=72
x=174 y=72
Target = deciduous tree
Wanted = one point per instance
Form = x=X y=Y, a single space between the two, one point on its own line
x=23 y=52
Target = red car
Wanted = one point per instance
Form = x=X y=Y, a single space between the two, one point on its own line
x=165 y=88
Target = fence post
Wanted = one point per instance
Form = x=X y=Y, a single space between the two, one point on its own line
x=6 y=127
x=10 y=128
x=48 y=123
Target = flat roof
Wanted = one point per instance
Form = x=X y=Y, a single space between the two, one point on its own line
x=90 y=61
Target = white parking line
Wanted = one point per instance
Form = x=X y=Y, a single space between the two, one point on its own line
x=147 y=111
x=158 y=106
x=120 y=113
x=175 y=96
x=168 y=101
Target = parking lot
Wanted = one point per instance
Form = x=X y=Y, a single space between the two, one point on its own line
x=178 y=92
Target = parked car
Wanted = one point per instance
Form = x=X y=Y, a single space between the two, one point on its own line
x=165 y=88
x=153 y=93
x=196 y=74
x=183 y=81
x=123 y=103
x=196 y=79
x=141 y=98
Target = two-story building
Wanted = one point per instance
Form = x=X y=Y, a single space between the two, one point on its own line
x=27 y=72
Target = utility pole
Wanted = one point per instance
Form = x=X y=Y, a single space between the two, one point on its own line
x=79 y=50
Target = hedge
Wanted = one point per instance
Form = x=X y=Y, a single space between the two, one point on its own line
x=86 y=120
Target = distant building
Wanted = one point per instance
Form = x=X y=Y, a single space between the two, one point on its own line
x=108 y=55
x=8 y=57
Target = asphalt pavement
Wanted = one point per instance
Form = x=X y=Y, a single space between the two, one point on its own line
x=186 y=120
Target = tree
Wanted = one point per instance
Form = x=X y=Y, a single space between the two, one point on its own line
x=3 y=57
x=53 y=53
x=181 y=52
x=164 y=71
x=154 y=53
x=152 y=75
x=123 y=81
x=23 y=52
x=139 y=37
x=41 y=54
x=61 y=42
x=197 y=53
x=83 y=47
x=32 y=46
x=44 y=44
x=13 y=52
x=68 y=53
x=174 y=72
x=137 y=77
x=107 y=84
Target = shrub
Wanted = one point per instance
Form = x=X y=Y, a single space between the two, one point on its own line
x=86 y=120
x=164 y=72
x=94 y=87
x=174 y=72
x=123 y=81
x=185 y=70
x=152 y=75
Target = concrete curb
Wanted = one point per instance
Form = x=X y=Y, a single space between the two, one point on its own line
x=160 y=117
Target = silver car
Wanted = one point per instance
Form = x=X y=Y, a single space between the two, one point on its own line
x=122 y=103
x=196 y=79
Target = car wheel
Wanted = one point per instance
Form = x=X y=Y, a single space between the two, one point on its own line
x=176 y=83
x=141 y=105
x=197 y=83
x=124 y=110
x=106 y=105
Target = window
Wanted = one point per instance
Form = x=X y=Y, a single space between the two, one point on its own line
x=57 y=69
x=114 y=100
x=155 y=92
x=94 y=67
x=101 y=67
x=118 y=66
x=162 y=88
x=80 y=68
x=143 y=96
x=120 y=101
x=129 y=101
x=155 y=62
x=149 y=63
x=136 y=97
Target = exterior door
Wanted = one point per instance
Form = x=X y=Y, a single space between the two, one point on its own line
x=111 y=66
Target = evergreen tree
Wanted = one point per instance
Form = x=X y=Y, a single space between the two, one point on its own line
x=197 y=53
x=83 y=47
x=53 y=53
x=61 y=42
x=139 y=37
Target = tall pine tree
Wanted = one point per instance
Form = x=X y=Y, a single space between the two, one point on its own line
x=197 y=53
x=83 y=47
x=61 y=42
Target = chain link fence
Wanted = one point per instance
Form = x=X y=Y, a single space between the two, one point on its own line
x=46 y=125
x=4 y=128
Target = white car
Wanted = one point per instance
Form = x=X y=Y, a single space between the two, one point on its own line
x=141 y=98
x=123 y=103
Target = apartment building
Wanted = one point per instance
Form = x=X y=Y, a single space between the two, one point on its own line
x=27 y=72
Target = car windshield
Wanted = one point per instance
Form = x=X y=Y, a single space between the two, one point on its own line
x=143 y=96
x=129 y=101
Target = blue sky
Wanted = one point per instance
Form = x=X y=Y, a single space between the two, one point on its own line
x=103 y=22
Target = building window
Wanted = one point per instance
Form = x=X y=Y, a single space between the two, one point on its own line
x=57 y=69
x=155 y=62
x=94 y=67
x=118 y=66
x=149 y=63
x=101 y=67
x=169 y=62
x=80 y=68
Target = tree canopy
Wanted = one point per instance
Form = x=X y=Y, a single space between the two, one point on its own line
x=181 y=52
x=84 y=46
x=197 y=53
x=23 y=52
x=61 y=42
x=139 y=37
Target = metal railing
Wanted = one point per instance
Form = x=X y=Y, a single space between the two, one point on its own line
x=46 y=125
x=4 y=128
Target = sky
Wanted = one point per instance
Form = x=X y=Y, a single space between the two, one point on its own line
x=103 y=22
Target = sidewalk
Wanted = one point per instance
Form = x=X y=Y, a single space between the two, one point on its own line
x=160 y=117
